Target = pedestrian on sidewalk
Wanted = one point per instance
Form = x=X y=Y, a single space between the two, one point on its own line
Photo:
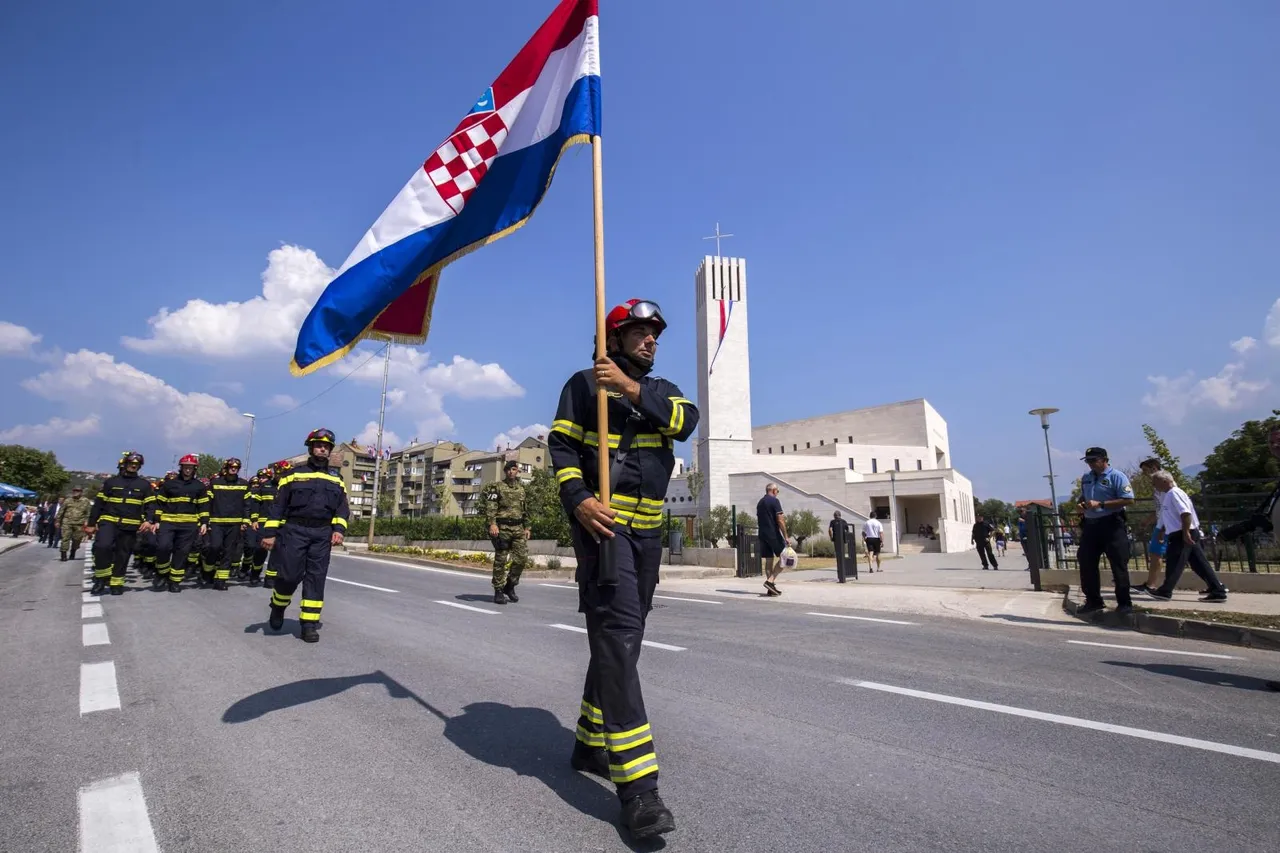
x=872 y=539
x=1157 y=544
x=1002 y=539
x=981 y=538
x=1104 y=495
x=773 y=536
x=1179 y=517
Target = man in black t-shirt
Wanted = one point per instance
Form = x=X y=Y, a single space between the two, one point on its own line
x=981 y=537
x=772 y=534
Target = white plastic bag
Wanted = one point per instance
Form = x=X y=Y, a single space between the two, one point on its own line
x=789 y=558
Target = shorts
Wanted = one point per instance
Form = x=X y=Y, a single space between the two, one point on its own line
x=873 y=545
x=771 y=546
x=1156 y=546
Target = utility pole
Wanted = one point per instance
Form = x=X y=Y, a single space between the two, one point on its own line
x=377 y=462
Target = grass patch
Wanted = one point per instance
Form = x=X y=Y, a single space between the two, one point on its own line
x=1222 y=617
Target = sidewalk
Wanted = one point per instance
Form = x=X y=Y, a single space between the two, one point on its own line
x=8 y=543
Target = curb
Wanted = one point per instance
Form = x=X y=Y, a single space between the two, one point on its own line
x=1186 y=629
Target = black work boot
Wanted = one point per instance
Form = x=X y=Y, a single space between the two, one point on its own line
x=255 y=578
x=309 y=633
x=117 y=590
x=276 y=620
x=646 y=815
x=174 y=586
x=62 y=557
x=99 y=586
x=499 y=597
x=220 y=585
x=510 y=591
x=159 y=581
x=590 y=759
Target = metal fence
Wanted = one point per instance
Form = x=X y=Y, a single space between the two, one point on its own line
x=1218 y=505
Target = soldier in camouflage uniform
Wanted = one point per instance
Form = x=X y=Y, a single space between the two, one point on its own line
x=72 y=518
x=507 y=512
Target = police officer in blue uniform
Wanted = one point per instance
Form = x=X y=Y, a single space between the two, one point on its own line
x=309 y=515
x=1104 y=494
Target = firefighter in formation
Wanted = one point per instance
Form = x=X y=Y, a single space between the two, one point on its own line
x=123 y=508
x=229 y=517
x=308 y=517
x=618 y=546
x=183 y=504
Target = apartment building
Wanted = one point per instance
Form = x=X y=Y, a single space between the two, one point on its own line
x=445 y=478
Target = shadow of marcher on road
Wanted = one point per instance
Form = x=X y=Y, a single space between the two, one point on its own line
x=1202 y=674
x=1010 y=617
x=288 y=629
x=529 y=741
x=472 y=596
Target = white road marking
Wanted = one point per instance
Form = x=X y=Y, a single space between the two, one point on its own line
x=1078 y=722
x=859 y=618
x=365 y=585
x=90 y=611
x=1150 y=649
x=694 y=600
x=462 y=606
x=559 y=586
x=579 y=630
x=95 y=633
x=87 y=598
x=113 y=817
x=98 y=687
x=474 y=575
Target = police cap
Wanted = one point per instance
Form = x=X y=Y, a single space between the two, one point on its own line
x=1095 y=453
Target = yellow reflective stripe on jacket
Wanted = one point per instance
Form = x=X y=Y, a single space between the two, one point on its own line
x=179 y=517
x=311 y=475
x=568 y=428
x=341 y=522
x=272 y=523
x=566 y=474
x=227 y=520
x=677 y=416
x=238 y=487
x=642 y=439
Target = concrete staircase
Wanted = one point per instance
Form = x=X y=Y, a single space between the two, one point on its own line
x=914 y=544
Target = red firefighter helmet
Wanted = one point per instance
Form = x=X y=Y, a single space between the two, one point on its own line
x=189 y=459
x=635 y=311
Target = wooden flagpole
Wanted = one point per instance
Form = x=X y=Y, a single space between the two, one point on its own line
x=602 y=396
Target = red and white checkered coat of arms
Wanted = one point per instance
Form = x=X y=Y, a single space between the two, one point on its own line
x=456 y=167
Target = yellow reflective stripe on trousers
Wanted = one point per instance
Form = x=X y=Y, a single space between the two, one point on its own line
x=568 y=428
x=227 y=520
x=592 y=739
x=622 y=741
x=592 y=713
x=280 y=600
x=310 y=610
x=633 y=770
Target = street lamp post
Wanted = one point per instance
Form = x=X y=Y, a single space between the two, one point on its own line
x=248 y=450
x=1043 y=414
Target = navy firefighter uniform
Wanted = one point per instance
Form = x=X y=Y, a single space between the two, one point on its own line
x=309 y=516
x=124 y=506
x=229 y=515
x=183 y=510
x=614 y=738
x=1103 y=530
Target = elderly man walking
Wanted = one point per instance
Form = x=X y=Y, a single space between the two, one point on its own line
x=1182 y=534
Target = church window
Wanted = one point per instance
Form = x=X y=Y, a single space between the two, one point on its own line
x=875 y=466
x=851 y=439
x=782 y=448
x=897 y=465
x=822 y=442
x=851 y=465
x=770 y=451
x=806 y=445
x=794 y=447
x=954 y=510
x=919 y=464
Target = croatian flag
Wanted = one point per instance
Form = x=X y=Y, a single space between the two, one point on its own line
x=482 y=183
x=726 y=311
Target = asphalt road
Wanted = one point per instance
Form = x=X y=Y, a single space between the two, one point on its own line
x=419 y=724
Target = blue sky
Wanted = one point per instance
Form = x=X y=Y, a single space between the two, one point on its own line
x=993 y=205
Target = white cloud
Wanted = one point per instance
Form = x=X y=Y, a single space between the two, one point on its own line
x=264 y=324
x=1271 y=328
x=282 y=402
x=517 y=434
x=41 y=434
x=97 y=379
x=1243 y=345
x=17 y=340
x=230 y=386
x=369 y=437
x=1228 y=391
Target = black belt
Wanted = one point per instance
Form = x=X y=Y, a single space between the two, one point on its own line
x=508 y=521
x=310 y=522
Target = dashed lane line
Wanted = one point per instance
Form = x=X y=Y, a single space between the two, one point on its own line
x=462 y=606
x=664 y=597
x=1158 y=651
x=578 y=630
x=98 y=687
x=113 y=817
x=364 y=585
x=90 y=611
x=95 y=633
x=1077 y=722
x=559 y=586
x=859 y=618
x=421 y=568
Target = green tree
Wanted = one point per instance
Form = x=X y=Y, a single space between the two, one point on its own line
x=717 y=524
x=1168 y=461
x=28 y=468
x=1245 y=456
x=545 y=512
x=208 y=465
x=440 y=496
x=386 y=503
x=995 y=510
x=695 y=481
x=747 y=521
x=802 y=523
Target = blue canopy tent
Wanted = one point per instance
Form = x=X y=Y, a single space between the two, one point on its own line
x=8 y=492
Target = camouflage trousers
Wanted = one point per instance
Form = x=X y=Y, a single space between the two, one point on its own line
x=510 y=555
x=72 y=536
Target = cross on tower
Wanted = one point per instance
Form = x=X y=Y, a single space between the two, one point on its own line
x=717 y=237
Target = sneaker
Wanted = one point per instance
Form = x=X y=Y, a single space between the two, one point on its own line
x=1087 y=608
x=1124 y=609
x=1140 y=589
x=772 y=587
x=1160 y=594
x=1216 y=595
x=646 y=815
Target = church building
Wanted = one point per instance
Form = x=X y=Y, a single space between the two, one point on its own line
x=891 y=460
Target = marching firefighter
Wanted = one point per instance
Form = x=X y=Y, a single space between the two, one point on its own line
x=197 y=564
x=124 y=508
x=250 y=538
x=309 y=514
x=183 y=513
x=228 y=518
x=507 y=513
x=71 y=519
x=619 y=546
x=144 y=557
x=263 y=557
